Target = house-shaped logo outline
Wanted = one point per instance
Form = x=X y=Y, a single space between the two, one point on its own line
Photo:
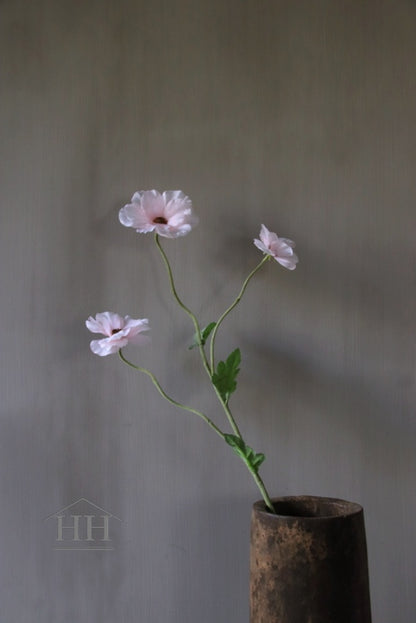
x=62 y=510
x=65 y=509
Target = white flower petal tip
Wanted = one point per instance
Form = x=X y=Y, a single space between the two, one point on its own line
x=168 y=214
x=118 y=331
x=281 y=249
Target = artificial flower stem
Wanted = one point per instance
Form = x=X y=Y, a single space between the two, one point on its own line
x=186 y=309
x=183 y=306
x=172 y=284
x=168 y=398
x=231 y=307
x=206 y=419
x=229 y=415
x=259 y=482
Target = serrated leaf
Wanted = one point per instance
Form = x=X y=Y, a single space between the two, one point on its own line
x=204 y=335
x=224 y=378
x=234 y=441
x=258 y=460
x=251 y=458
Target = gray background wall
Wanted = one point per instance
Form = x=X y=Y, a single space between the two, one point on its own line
x=298 y=114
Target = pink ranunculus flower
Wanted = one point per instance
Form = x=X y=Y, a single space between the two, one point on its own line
x=281 y=249
x=168 y=214
x=119 y=332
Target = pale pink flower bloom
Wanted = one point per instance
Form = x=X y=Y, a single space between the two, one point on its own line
x=281 y=249
x=119 y=332
x=168 y=214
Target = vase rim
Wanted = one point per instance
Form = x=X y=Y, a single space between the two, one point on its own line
x=309 y=507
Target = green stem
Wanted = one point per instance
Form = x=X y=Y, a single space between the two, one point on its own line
x=183 y=306
x=172 y=284
x=229 y=415
x=209 y=367
x=231 y=307
x=259 y=482
x=167 y=397
x=206 y=419
x=192 y=316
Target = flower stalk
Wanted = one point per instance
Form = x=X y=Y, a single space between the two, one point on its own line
x=164 y=395
x=231 y=307
x=210 y=365
x=208 y=369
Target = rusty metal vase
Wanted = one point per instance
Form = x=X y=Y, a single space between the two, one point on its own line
x=308 y=563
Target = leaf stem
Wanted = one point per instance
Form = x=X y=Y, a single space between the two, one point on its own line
x=231 y=307
x=167 y=397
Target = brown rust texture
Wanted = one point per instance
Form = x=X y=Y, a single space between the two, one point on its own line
x=309 y=569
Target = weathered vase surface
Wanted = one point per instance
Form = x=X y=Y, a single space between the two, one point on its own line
x=308 y=563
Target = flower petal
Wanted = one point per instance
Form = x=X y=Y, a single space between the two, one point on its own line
x=289 y=263
x=281 y=249
x=119 y=332
x=259 y=244
x=107 y=346
x=105 y=323
x=134 y=215
x=169 y=215
x=153 y=204
x=289 y=243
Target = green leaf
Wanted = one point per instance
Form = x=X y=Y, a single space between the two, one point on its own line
x=224 y=378
x=247 y=454
x=235 y=442
x=206 y=332
x=258 y=460
x=204 y=335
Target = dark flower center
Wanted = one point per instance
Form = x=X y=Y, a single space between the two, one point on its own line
x=115 y=331
x=160 y=220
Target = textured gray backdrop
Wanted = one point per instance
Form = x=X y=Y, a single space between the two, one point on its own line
x=298 y=114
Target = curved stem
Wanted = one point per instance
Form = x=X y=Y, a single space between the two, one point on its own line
x=231 y=307
x=167 y=397
x=209 y=370
x=206 y=419
x=172 y=283
x=183 y=306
